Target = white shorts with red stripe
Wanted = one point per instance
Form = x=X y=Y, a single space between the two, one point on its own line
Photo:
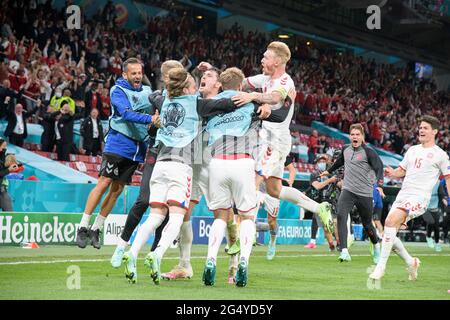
x=271 y=162
x=414 y=205
x=232 y=181
x=171 y=183
x=270 y=158
x=271 y=205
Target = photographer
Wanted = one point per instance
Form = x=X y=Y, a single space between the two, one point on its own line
x=5 y=199
x=322 y=189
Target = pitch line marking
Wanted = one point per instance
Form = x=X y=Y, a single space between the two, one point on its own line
x=195 y=257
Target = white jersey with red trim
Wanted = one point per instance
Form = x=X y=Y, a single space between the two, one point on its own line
x=279 y=133
x=423 y=168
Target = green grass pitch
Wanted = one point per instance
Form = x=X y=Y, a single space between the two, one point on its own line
x=295 y=273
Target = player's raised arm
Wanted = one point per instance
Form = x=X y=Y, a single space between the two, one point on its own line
x=394 y=173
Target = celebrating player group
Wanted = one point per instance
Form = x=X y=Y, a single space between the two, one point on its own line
x=223 y=140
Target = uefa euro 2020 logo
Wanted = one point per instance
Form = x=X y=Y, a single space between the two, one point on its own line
x=174 y=116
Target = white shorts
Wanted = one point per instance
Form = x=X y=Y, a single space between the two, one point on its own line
x=271 y=161
x=232 y=181
x=200 y=178
x=271 y=204
x=414 y=206
x=171 y=182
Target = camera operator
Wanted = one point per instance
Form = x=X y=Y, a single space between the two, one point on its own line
x=323 y=189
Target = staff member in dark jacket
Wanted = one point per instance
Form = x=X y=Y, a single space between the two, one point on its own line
x=92 y=132
x=47 y=120
x=5 y=199
x=64 y=132
x=16 y=129
x=362 y=168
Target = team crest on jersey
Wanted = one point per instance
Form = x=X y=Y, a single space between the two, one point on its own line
x=135 y=99
x=174 y=116
x=359 y=157
x=430 y=155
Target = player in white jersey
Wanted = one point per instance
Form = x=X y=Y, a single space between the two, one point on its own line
x=279 y=91
x=422 y=166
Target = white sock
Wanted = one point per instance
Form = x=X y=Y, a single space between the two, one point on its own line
x=400 y=249
x=85 y=220
x=247 y=235
x=344 y=250
x=169 y=234
x=386 y=246
x=296 y=197
x=216 y=234
x=313 y=241
x=233 y=262
x=98 y=223
x=121 y=243
x=186 y=236
x=153 y=221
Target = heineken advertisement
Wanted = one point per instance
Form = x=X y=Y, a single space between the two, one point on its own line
x=43 y=228
x=61 y=228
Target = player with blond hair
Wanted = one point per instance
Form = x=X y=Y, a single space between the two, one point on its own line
x=278 y=90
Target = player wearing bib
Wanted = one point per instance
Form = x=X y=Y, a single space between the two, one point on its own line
x=421 y=168
x=279 y=91
x=125 y=147
x=209 y=88
x=171 y=181
x=233 y=137
x=141 y=204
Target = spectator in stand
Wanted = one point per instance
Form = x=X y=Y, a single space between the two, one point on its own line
x=7 y=97
x=105 y=111
x=115 y=63
x=64 y=132
x=67 y=98
x=16 y=130
x=48 y=138
x=93 y=99
x=17 y=79
x=79 y=90
x=55 y=101
x=375 y=131
x=312 y=146
x=3 y=66
x=92 y=132
x=322 y=144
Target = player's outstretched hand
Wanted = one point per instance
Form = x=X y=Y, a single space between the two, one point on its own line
x=388 y=171
x=242 y=98
x=156 y=121
x=380 y=190
x=324 y=174
x=264 y=111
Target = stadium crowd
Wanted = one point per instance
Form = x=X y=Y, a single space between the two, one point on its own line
x=54 y=66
